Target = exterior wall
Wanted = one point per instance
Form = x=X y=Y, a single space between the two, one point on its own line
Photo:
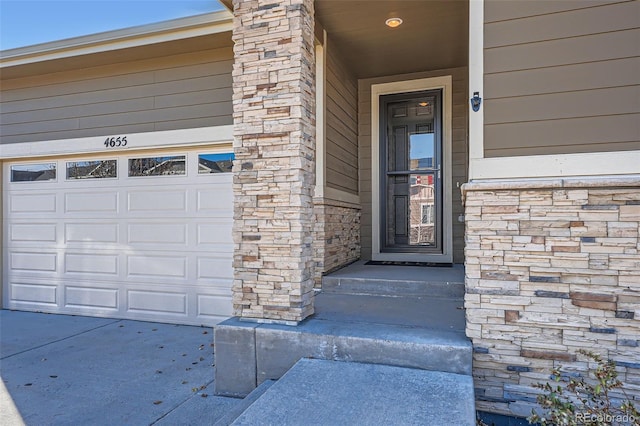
x=274 y=171
x=459 y=152
x=342 y=126
x=337 y=236
x=551 y=267
x=336 y=209
x=174 y=92
x=561 y=77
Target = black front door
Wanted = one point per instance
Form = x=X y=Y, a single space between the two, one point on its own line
x=411 y=172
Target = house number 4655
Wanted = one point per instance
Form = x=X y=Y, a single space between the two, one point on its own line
x=115 y=142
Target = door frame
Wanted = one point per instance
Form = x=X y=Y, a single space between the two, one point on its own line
x=377 y=90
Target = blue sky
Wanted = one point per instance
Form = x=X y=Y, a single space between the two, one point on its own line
x=28 y=22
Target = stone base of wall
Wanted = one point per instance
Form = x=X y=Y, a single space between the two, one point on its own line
x=274 y=168
x=551 y=267
x=336 y=236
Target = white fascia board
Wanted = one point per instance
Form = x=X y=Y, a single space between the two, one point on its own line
x=476 y=77
x=562 y=165
x=135 y=141
x=193 y=26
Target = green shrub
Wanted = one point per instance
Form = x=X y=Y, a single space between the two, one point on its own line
x=581 y=402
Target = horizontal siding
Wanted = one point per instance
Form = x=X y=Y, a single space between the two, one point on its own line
x=586 y=134
x=561 y=77
x=174 y=92
x=499 y=10
x=459 y=153
x=583 y=103
x=341 y=126
x=551 y=53
x=585 y=76
x=594 y=20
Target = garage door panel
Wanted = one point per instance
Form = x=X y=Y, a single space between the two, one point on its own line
x=214 y=233
x=33 y=262
x=33 y=232
x=103 y=264
x=157 y=302
x=83 y=202
x=88 y=298
x=157 y=201
x=33 y=293
x=214 y=268
x=151 y=266
x=157 y=233
x=32 y=203
x=214 y=306
x=91 y=232
x=215 y=201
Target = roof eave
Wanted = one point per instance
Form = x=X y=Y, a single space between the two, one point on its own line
x=181 y=28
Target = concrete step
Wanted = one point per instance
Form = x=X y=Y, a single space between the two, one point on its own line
x=247 y=353
x=279 y=347
x=435 y=313
x=320 y=392
x=232 y=414
x=404 y=281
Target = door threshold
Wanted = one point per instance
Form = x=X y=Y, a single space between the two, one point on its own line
x=404 y=263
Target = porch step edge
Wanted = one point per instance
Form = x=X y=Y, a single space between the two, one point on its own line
x=395 y=287
x=279 y=347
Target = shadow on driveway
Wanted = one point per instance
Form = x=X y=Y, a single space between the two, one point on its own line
x=60 y=369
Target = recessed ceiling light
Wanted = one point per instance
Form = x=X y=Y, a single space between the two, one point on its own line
x=393 y=22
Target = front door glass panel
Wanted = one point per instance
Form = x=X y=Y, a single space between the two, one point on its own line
x=411 y=190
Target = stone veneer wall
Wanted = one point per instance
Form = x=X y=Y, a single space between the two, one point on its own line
x=274 y=171
x=551 y=267
x=337 y=236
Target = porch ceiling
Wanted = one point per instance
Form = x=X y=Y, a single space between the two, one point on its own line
x=434 y=34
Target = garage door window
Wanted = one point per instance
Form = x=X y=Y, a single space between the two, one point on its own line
x=92 y=169
x=215 y=163
x=33 y=172
x=157 y=166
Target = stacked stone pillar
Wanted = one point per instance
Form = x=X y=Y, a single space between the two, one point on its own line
x=274 y=171
x=552 y=267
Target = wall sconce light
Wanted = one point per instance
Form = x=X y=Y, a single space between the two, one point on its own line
x=476 y=101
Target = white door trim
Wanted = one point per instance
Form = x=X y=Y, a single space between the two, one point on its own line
x=95 y=144
x=476 y=82
x=377 y=90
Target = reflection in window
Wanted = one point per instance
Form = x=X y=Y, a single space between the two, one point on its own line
x=427 y=214
x=33 y=172
x=215 y=163
x=157 y=166
x=92 y=169
x=421 y=150
x=422 y=210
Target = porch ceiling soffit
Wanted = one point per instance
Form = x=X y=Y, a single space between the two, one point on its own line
x=434 y=35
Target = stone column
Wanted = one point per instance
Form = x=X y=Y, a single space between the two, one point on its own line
x=552 y=267
x=274 y=171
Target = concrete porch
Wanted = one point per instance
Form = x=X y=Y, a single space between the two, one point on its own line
x=429 y=298
x=375 y=328
x=405 y=316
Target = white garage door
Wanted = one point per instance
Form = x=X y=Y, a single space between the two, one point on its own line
x=142 y=236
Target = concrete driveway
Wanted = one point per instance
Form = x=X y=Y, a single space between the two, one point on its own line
x=71 y=370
